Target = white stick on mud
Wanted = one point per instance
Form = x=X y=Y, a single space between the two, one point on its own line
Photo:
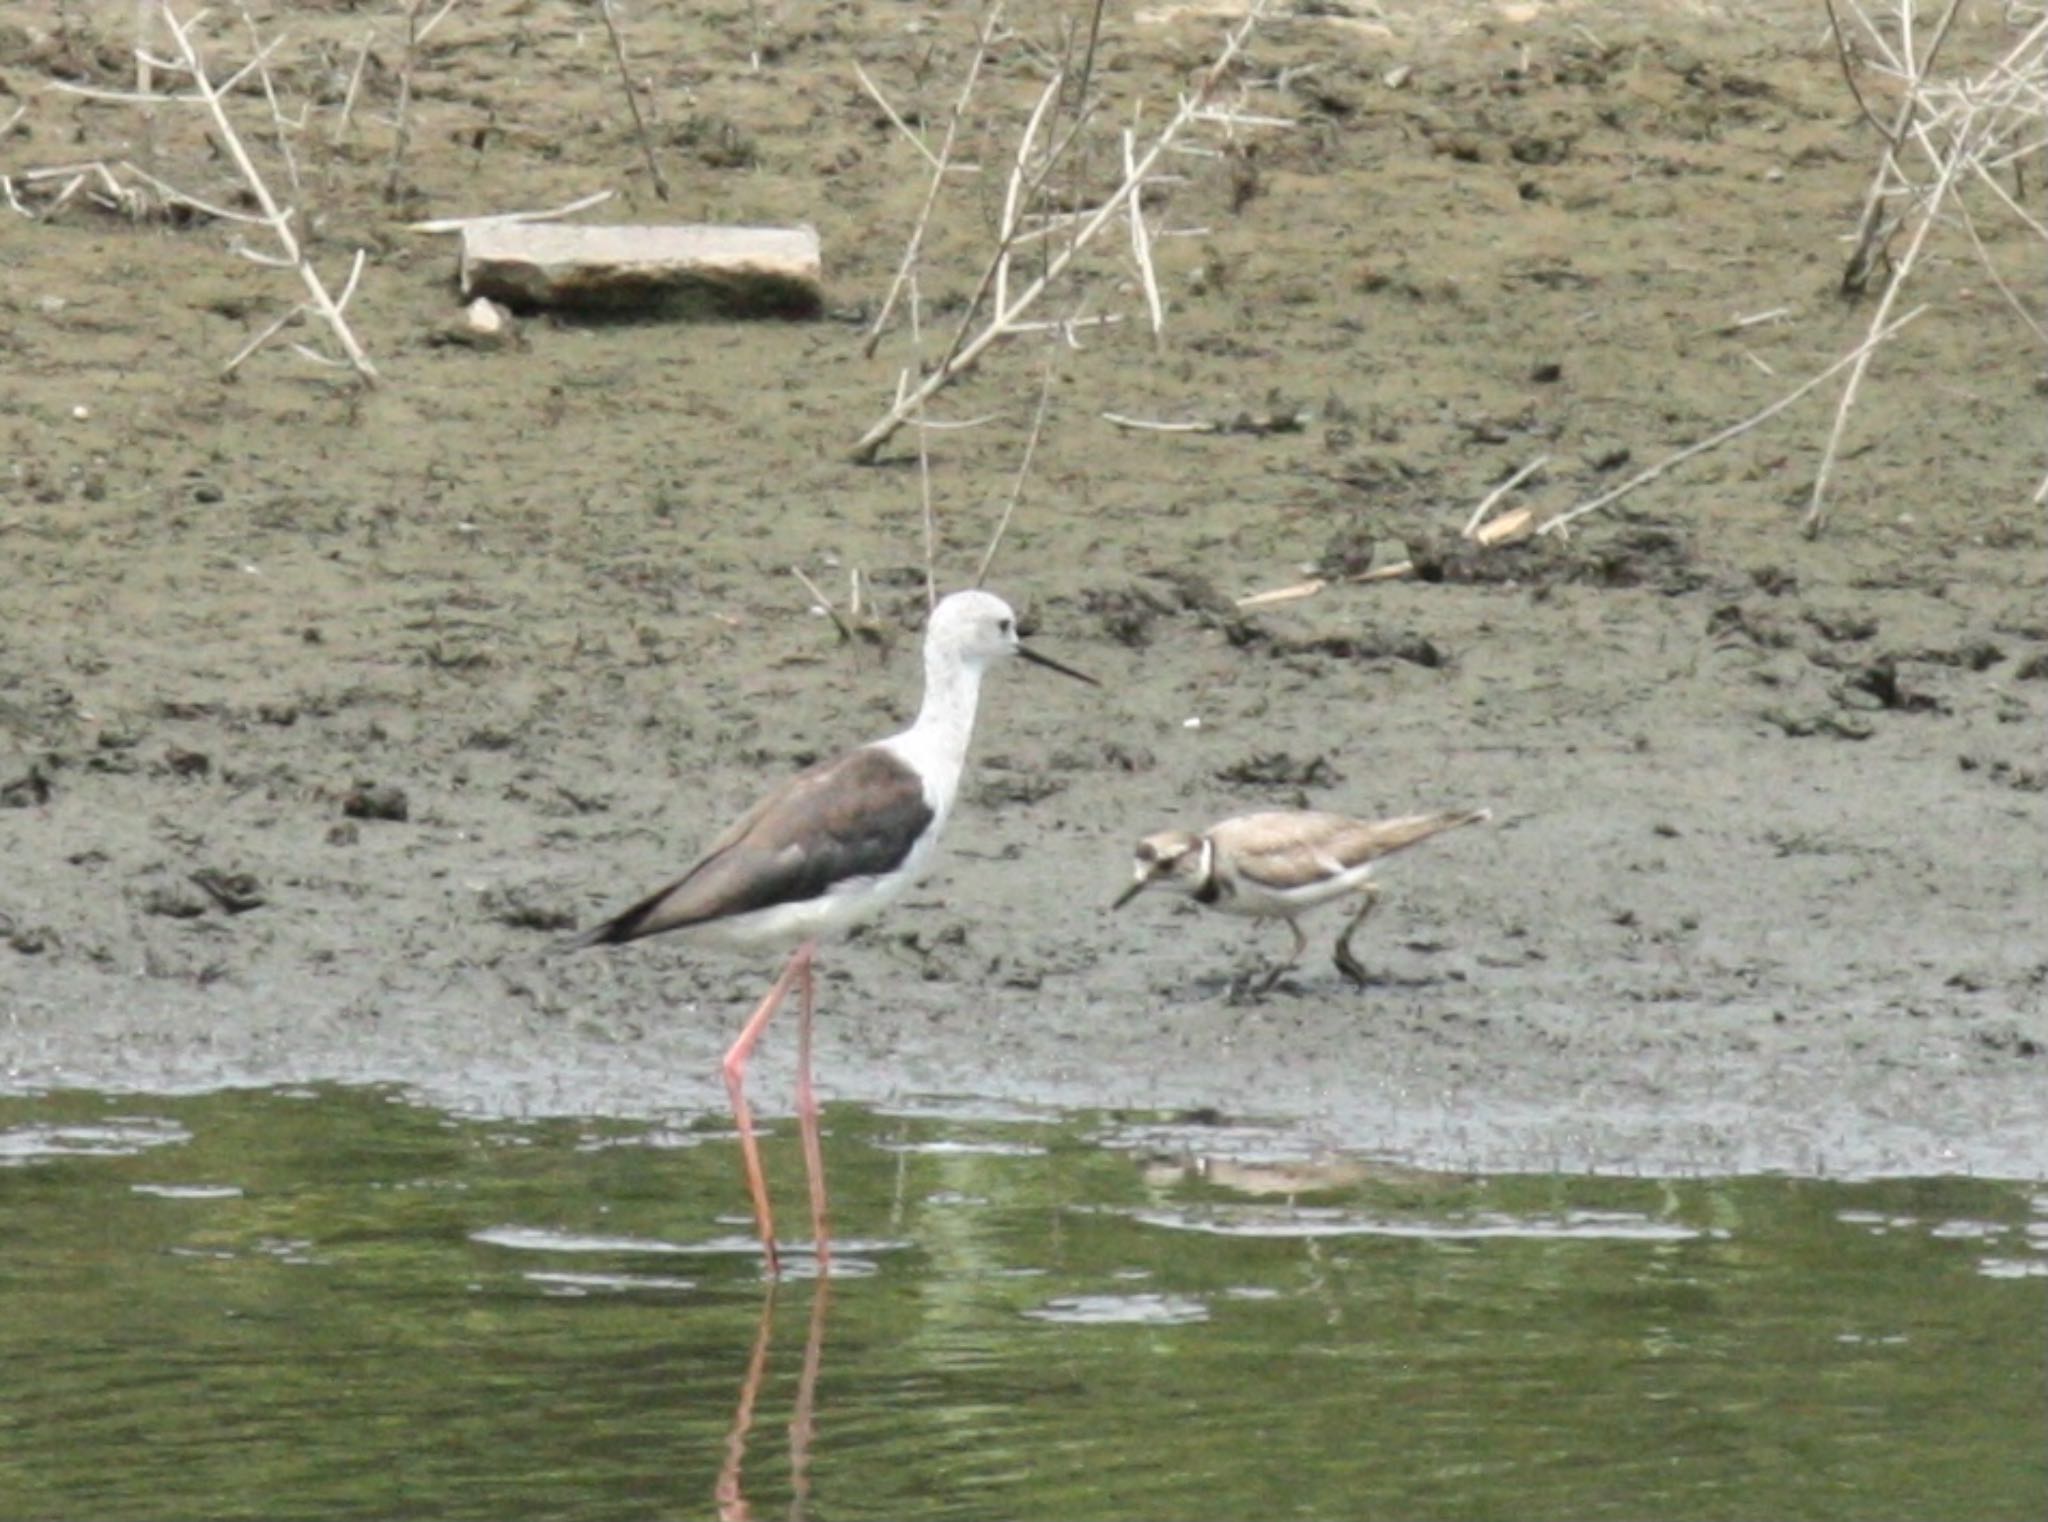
x=1141 y=242
x=1492 y=498
x=493 y=219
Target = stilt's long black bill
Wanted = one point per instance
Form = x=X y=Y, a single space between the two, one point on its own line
x=1052 y=665
x=1131 y=892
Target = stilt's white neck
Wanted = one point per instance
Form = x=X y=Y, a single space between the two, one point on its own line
x=952 y=690
x=937 y=742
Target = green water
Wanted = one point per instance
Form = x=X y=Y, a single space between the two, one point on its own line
x=338 y=1304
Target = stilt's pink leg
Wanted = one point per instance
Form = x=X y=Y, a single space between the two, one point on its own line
x=735 y=1069
x=807 y=1118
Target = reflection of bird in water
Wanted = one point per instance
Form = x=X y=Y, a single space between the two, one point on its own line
x=1285 y=1178
x=732 y=1503
x=1281 y=864
x=826 y=850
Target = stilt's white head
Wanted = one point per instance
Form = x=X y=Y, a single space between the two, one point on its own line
x=977 y=629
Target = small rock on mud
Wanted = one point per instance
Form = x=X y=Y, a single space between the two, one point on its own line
x=377 y=800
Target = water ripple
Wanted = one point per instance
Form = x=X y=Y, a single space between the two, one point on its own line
x=121 y=1136
x=1118 y=1310
x=563 y=1282
x=1279 y=1222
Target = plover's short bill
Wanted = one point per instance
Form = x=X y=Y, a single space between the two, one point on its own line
x=1281 y=864
x=826 y=850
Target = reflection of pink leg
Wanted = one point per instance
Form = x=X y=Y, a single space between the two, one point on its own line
x=735 y=1068
x=732 y=1506
x=803 y=1425
x=807 y=1119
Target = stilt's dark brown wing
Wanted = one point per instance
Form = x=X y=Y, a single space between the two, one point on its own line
x=855 y=816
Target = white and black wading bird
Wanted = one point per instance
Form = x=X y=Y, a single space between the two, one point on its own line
x=1281 y=864
x=827 y=850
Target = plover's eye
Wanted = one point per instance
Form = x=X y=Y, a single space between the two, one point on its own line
x=1145 y=851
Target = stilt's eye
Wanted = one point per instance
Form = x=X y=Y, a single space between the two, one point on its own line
x=1008 y=626
x=1145 y=851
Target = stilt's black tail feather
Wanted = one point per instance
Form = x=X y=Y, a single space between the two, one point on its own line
x=616 y=931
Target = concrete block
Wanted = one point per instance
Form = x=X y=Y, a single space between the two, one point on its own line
x=672 y=272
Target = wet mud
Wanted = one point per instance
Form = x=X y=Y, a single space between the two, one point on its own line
x=322 y=713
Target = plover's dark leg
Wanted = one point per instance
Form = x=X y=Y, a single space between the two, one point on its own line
x=1346 y=962
x=1274 y=974
x=735 y=1069
x=807 y=1118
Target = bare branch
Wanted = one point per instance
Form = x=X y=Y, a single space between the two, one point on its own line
x=1492 y=498
x=1562 y=520
x=1141 y=245
x=278 y=220
x=945 y=155
x=1816 y=511
x=611 y=27
x=967 y=354
x=875 y=94
x=1023 y=473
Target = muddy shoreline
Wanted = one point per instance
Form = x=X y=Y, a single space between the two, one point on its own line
x=1764 y=890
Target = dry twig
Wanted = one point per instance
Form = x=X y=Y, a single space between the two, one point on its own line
x=1492 y=498
x=212 y=95
x=1961 y=128
x=1141 y=243
x=1563 y=520
x=611 y=27
x=1281 y=419
x=1023 y=472
x=1301 y=589
x=1873 y=231
x=458 y=224
x=940 y=161
x=964 y=355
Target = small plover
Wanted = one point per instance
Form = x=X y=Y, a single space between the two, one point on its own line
x=1280 y=864
x=827 y=850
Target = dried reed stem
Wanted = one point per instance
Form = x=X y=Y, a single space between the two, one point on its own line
x=964 y=357
x=355 y=83
x=1023 y=473
x=402 y=137
x=611 y=27
x=1141 y=243
x=875 y=94
x=1872 y=232
x=1016 y=195
x=944 y=157
x=457 y=224
x=1562 y=520
x=276 y=218
x=279 y=125
x=1816 y=517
